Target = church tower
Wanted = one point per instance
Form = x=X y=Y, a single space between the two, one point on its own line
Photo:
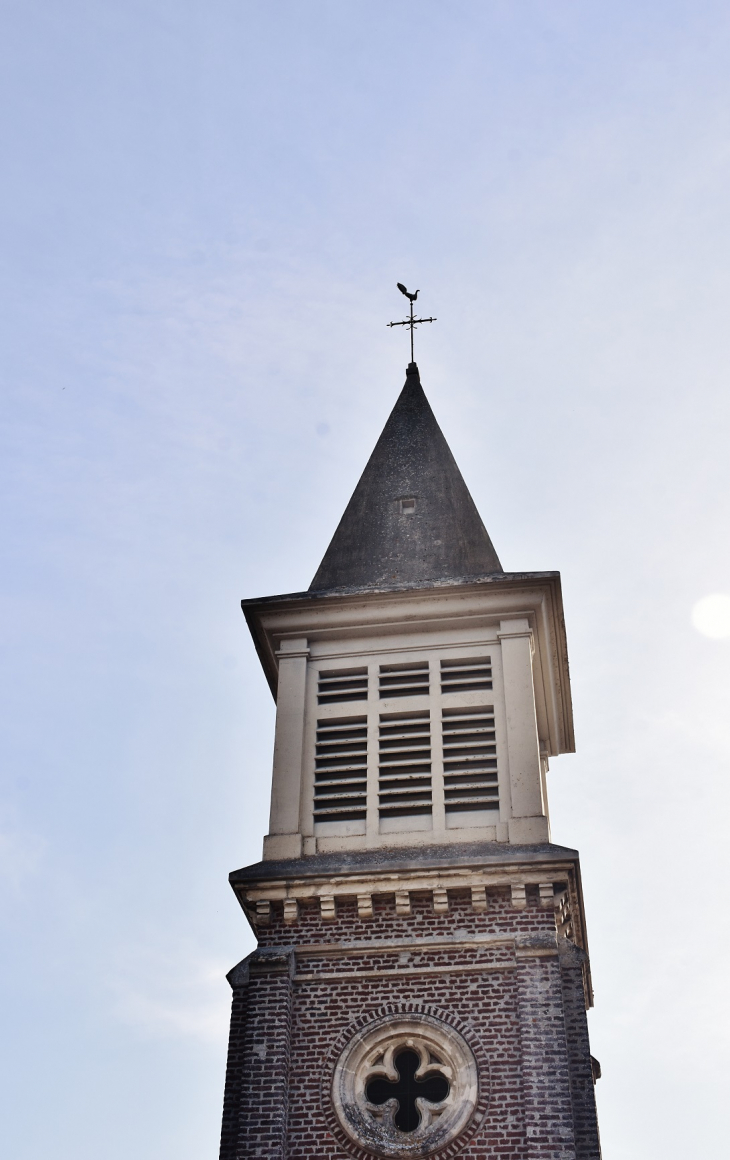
x=421 y=979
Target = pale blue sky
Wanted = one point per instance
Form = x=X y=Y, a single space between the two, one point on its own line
x=205 y=208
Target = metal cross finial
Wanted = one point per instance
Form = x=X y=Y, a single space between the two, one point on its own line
x=410 y=322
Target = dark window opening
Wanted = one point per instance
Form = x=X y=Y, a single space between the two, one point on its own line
x=407 y=1089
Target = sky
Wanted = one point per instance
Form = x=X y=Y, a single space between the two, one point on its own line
x=204 y=210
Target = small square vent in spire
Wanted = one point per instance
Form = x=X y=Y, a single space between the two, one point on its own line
x=411 y=518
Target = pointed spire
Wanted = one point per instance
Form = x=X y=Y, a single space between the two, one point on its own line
x=411 y=517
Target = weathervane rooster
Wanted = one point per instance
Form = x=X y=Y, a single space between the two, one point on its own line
x=403 y=290
x=411 y=322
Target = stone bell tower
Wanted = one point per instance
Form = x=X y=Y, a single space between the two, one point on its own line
x=421 y=979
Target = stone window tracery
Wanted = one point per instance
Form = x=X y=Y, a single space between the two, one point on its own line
x=405 y=1086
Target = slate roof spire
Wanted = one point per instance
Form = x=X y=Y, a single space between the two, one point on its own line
x=411 y=517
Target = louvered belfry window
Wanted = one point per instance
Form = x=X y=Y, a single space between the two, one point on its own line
x=340 y=769
x=466 y=676
x=337 y=685
x=404 y=764
x=422 y=752
x=404 y=680
x=470 y=759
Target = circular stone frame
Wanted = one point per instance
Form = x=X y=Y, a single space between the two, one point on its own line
x=367 y=1049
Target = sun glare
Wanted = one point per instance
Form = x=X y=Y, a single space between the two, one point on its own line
x=711 y=615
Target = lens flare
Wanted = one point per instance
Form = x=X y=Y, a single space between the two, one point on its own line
x=711 y=616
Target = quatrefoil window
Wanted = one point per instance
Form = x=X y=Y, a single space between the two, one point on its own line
x=418 y=1087
x=405 y=1086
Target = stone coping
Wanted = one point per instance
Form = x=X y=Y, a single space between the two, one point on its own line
x=412 y=859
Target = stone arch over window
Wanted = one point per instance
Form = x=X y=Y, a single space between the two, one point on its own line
x=406 y=1082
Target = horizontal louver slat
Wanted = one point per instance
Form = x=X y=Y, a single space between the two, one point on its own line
x=404 y=680
x=467 y=675
x=340 y=769
x=470 y=759
x=338 y=685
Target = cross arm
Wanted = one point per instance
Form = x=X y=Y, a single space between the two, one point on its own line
x=411 y=322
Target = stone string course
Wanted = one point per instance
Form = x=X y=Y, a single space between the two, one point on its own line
x=520 y=993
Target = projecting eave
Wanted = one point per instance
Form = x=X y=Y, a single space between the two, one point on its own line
x=360 y=612
x=351 y=862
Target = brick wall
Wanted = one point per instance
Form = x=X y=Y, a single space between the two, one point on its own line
x=236 y=1064
x=587 y=1146
x=299 y=994
x=500 y=917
